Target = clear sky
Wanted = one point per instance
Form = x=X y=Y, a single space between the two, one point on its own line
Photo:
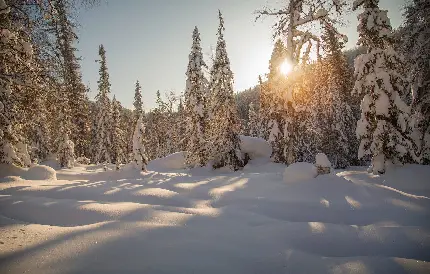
x=149 y=41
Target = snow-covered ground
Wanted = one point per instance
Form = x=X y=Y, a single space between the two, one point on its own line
x=202 y=221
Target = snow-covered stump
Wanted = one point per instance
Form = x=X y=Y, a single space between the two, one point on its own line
x=322 y=164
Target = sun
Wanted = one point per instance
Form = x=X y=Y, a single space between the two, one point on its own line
x=286 y=68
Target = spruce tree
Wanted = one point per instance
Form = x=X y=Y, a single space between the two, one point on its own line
x=334 y=116
x=415 y=43
x=16 y=54
x=253 y=121
x=118 y=156
x=195 y=107
x=383 y=125
x=225 y=141
x=138 y=105
x=139 y=153
x=72 y=79
x=103 y=123
x=275 y=103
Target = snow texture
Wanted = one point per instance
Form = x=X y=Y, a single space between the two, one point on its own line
x=255 y=147
x=298 y=172
x=205 y=221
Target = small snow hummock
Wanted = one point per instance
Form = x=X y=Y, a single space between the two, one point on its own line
x=300 y=172
x=40 y=172
x=172 y=161
x=322 y=160
x=255 y=147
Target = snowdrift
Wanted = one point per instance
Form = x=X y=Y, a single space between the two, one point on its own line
x=11 y=170
x=172 y=161
x=40 y=172
x=255 y=147
x=37 y=172
x=300 y=172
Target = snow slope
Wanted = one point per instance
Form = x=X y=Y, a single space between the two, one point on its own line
x=201 y=221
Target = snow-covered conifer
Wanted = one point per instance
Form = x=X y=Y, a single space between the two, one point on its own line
x=253 y=121
x=225 y=141
x=384 y=117
x=118 y=155
x=75 y=90
x=16 y=54
x=103 y=123
x=415 y=46
x=334 y=116
x=138 y=105
x=195 y=106
x=139 y=152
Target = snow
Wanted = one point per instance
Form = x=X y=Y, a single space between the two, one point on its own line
x=255 y=147
x=172 y=161
x=40 y=172
x=322 y=160
x=205 y=221
x=298 y=172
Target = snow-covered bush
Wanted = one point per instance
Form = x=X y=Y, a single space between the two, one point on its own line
x=40 y=173
x=322 y=163
x=172 y=161
x=66 y=153
x=139 y=152
x=255 y=147
x=322 y=160
x=300 y=172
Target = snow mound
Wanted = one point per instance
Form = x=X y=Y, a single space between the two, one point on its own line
x=322 y=160
x=40 y=173
x=172 y=161
x=10 y=170
x=255 y=147
x=300 y=172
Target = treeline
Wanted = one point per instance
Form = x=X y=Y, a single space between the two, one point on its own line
x=379 y=111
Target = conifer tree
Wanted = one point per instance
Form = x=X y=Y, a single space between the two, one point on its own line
x=139 y=152
x=415 y=35
x=16 y=54
x=253 y=121
x=264 y=110
x=195 y=106
x=138 y=105
x=383 y=125
x=72 y=79
x=103 y=122
x=225 y=141
x=118 y=155
x=334 y=117
x=277 y=115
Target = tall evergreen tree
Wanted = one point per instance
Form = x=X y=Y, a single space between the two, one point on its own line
x=415 y=35
x=72 y=79
x=138 y=105
x=118 y=156
x=225 y=141
x=383 y=124
x=334 y=116
x=253 y=121
x=102 y=151
x=195 y=106
x=275 y=103
x=16 y=54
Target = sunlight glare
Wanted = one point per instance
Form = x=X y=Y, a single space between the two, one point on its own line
x=286 y=68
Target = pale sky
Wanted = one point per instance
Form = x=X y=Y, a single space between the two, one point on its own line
x=149 y=41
